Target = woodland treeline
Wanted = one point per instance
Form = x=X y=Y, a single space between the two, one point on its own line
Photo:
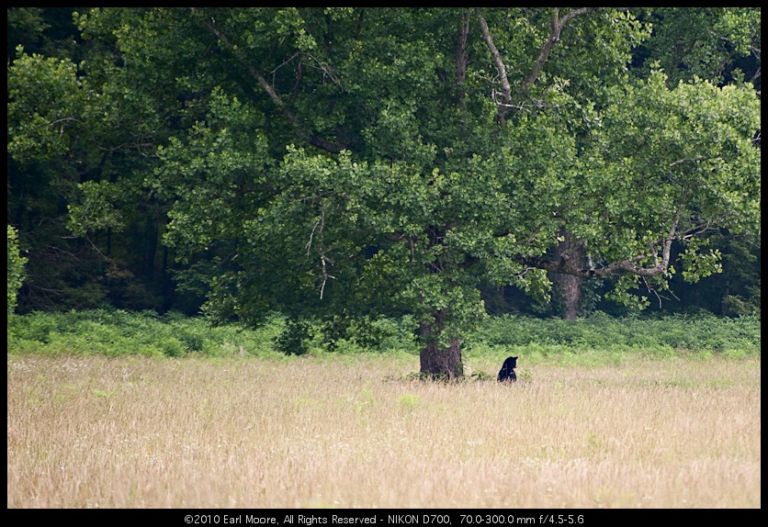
x=342 y=164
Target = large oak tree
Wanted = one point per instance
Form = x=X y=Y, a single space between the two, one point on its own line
x=351 y=162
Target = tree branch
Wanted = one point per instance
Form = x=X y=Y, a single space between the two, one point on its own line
x=652 y=290
x=697 y=158
x=324 y=260
x=461 y=53
x=312 y=139
x=629 y=265
x=500 y=67
x=755 y=76
x=311 y=235
x=576 y=12
x=506 y=90
x=557 y=27
x=666 y=251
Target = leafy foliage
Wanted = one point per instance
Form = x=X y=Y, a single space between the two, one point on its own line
x=15 y=269
x=116 y=332
x=339 y=165
x=712 y=44
x=294 y=338
x=679 y=332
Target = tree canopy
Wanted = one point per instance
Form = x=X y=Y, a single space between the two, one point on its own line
x=344 y=162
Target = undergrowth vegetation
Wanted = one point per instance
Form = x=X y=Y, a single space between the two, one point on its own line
x=116 y=332
x=598 y=337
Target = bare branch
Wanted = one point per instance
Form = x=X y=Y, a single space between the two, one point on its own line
x=41 y=288
x=506 y=90
x=576 y=12
x=311 y=235
x=524 y=272
x=695 y=231
x=652 y=290
x=674 y=295
x=500 y=67
x=557 y=27
x=286 y=61
x=461 y=52
x=325 y=261
x=65 y=119
x=93 y=245
x=630 y=265
x=679 y=161
x=326 y=69
x=251 y=70
x=668 y=244
x=326 y=276
x=755 y=77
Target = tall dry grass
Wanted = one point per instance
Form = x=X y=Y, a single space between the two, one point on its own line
x=353 y=432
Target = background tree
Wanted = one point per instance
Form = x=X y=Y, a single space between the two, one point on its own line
x=717 y=44
x=730 y=35
x=646 y=157
x=721 y=45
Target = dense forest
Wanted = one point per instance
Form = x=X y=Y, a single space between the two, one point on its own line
x=344 y=164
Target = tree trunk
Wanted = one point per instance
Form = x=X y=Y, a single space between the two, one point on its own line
x=152 y=237
x=167 y=283
x=569 y=287
x=571 y=255
x=438 y=362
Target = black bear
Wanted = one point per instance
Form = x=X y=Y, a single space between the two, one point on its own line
x=507 y=371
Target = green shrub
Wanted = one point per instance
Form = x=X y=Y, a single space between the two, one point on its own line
x=600 y=332
x=172 y=347
x=588 y=341
x=191 y=340
x=15 y=268
x=294 y=340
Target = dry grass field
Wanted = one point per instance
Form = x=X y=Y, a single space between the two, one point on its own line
x=353 y=431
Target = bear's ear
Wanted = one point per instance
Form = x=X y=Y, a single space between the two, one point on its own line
x=514 y=358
